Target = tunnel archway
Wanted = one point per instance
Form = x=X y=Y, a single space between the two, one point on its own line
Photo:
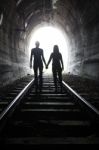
x=48 y=36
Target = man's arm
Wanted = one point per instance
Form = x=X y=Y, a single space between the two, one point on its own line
x=43 y=58
x=31 y=60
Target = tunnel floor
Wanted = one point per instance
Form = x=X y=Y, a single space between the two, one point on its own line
x=87 y=88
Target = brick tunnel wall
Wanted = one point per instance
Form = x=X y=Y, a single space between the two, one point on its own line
x=13 y=51
x=81 y=20
x=85 y=52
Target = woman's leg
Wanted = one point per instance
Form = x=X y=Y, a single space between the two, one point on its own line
x=60 y=78
x=55 y=77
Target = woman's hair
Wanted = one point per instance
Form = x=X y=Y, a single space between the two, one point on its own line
x=56 y=49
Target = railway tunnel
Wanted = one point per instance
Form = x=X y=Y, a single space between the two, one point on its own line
x=76 y=22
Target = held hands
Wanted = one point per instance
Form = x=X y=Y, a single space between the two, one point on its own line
x=47 y=66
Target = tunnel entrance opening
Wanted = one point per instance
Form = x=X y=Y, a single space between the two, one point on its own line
x=48 y=37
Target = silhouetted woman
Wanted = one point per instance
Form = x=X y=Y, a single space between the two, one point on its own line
x=57 y=66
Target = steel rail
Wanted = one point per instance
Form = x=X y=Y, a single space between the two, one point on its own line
x=20 y=96
x=85 y=102
x=25 y=90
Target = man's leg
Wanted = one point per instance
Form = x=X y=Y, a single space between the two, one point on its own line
x=36 y=77
x=40 y=77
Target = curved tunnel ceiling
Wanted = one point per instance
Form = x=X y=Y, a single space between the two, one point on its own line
x=67 y=12
x=34 y=11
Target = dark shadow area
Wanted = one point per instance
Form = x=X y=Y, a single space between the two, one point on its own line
x=87 y=88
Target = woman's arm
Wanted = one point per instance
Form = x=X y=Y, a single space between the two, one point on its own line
x=62 y=62
x=49 y=60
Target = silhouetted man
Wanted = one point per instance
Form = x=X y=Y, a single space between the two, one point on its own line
x=38 y=55
x=57 y=66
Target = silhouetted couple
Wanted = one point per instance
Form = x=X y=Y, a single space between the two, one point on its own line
x=57 y=65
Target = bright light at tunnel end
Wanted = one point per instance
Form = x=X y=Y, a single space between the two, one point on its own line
x=48 y=37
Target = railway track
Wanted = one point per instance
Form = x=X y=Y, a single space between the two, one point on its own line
x=47 y=117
